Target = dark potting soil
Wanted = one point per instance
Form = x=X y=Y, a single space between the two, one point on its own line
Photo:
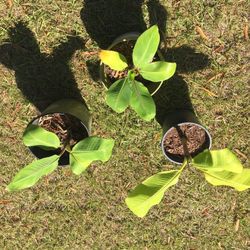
x=194 y=136
x=68 y=128
x=126 y=49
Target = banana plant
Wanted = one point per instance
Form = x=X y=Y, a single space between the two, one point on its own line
x=220 y=168
x=81 y=155
x=128 y=91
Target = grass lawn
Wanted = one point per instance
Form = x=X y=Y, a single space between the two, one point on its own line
x=49 y=59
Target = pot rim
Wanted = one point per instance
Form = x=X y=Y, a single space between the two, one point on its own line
x=183 y=123
x=129 y=36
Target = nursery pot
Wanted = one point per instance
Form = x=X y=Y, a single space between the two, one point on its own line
x=71 y=107
x=131 y=36
x=179 y=118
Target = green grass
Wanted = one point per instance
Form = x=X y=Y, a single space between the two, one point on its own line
x=88 y=212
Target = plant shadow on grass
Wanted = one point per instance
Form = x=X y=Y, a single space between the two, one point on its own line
x=174 y=93
x=106 y=20
x=41 y=78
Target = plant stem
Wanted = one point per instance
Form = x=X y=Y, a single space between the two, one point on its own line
x=157 y=88
x=185 y=163
x=66 y=146
x=64 y=149
x=131 y=75
x=184 y=144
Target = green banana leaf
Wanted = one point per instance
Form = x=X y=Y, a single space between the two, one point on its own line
x=119 y=94
x=218 y=160
x=146 y=47
x=158 y=71
x=240 y=181
x=89 y=150
x=150 y=192
x=37 y=136
x=142 y=102
x=29 y=175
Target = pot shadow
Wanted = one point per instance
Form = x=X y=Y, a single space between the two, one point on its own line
x=41 y=78
x=174 y=93
x=106 y=20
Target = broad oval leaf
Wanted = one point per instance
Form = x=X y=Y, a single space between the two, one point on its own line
x=240 y=181
x=113 y=59
x=29 y=175
x=89 y=150
x=150 y=192
x=158 y=71
x=146 y=47
x=38 y=136
x=142 y=102
x=118 y=95
x=218 y=160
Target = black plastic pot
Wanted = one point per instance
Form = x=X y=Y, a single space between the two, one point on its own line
x=131 y=36
x=65 y=106
x=178 y=118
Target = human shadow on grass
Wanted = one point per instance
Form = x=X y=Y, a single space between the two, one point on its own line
x=41 y=78
x=106 y=20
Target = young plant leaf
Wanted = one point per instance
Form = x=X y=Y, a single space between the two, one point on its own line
x=142 y=102
x=113 y=59
x=38 y=136
x=118 y=95
x=158 y=71
x=30 y=174
x=146 y=47
x=89 y=150
x=217 y=160
x=240 y=181
x=151 y=191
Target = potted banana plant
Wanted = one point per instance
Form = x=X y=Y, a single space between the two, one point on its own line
x=60 y=136
x=129 y=67
x=219 y=167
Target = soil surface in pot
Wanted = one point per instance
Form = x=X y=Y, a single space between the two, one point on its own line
x=126 y=49
x=68 y=128
x=194 y=136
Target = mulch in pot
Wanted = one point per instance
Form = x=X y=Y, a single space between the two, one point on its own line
x=68 y=128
